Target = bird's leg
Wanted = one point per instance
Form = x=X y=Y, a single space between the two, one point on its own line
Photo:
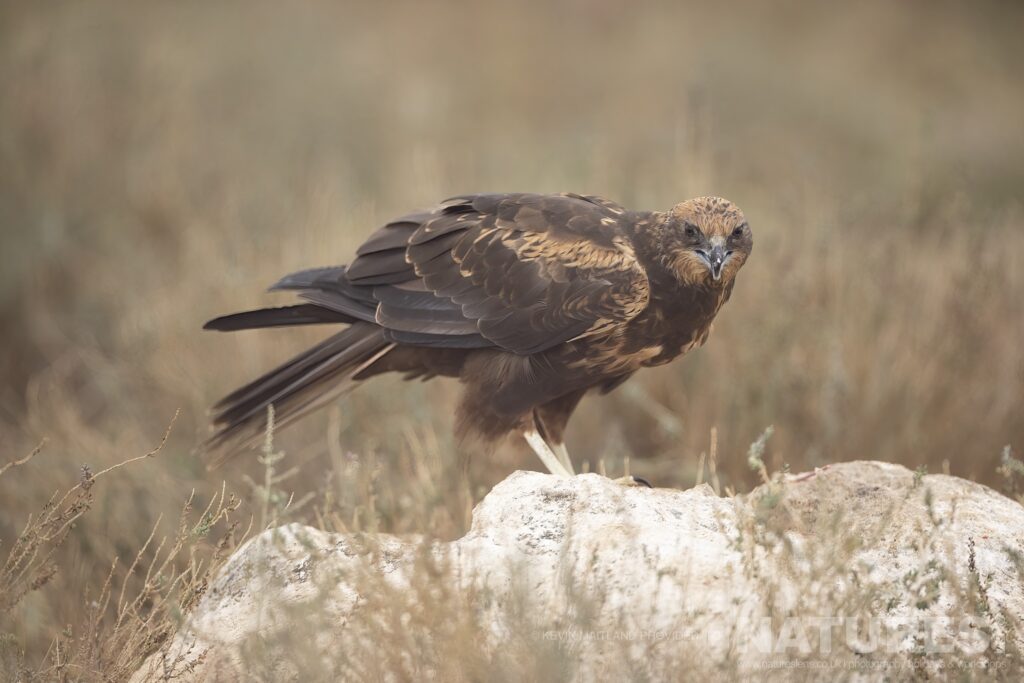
x=549 y=420
x=554 y=440
x=548 y=436
x=563 y=456
x=544 y=452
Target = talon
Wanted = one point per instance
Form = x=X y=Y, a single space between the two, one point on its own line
x=631 y=480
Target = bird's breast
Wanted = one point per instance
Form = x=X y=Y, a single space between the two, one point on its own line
x=665 y=330
x=672 y=326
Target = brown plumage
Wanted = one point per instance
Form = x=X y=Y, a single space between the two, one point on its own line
x=531 y=300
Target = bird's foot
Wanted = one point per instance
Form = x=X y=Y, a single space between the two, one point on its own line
x=630 y=480
x=627 y=479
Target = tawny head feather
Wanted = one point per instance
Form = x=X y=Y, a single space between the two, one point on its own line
x=707 y=239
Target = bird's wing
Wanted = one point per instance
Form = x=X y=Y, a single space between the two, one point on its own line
x=521 y=272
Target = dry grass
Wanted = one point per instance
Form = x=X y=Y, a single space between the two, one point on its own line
x=419 y=617
x=134 y=609
x=160 y=165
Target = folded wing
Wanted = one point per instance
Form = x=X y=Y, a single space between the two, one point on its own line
x=520 y=272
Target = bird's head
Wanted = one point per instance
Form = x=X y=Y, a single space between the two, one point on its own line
x=707 y=241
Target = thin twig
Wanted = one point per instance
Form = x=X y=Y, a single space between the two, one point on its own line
x=153 y=452
x=19 y=463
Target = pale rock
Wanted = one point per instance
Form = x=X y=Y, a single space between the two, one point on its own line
x=582 y=578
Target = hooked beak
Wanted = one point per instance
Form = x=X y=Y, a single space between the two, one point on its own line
x=715 y=260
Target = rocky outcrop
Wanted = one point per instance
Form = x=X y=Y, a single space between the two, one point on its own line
x=858 y=567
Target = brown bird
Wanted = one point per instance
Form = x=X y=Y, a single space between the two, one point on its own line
x=530 y=300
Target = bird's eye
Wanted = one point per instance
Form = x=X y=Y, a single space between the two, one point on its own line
x=738 y=232
x=690 y=229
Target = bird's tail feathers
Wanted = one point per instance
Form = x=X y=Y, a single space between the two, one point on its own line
x=300 y=386
x=283 y=316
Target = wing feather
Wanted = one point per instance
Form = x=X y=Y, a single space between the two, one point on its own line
x=381 y=267
x=520 y=272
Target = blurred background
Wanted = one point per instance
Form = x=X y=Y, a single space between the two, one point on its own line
x=161 y=164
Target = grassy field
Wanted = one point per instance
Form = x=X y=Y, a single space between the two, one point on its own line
x=161 y=165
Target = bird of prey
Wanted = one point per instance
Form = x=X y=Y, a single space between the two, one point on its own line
x=531 y=300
